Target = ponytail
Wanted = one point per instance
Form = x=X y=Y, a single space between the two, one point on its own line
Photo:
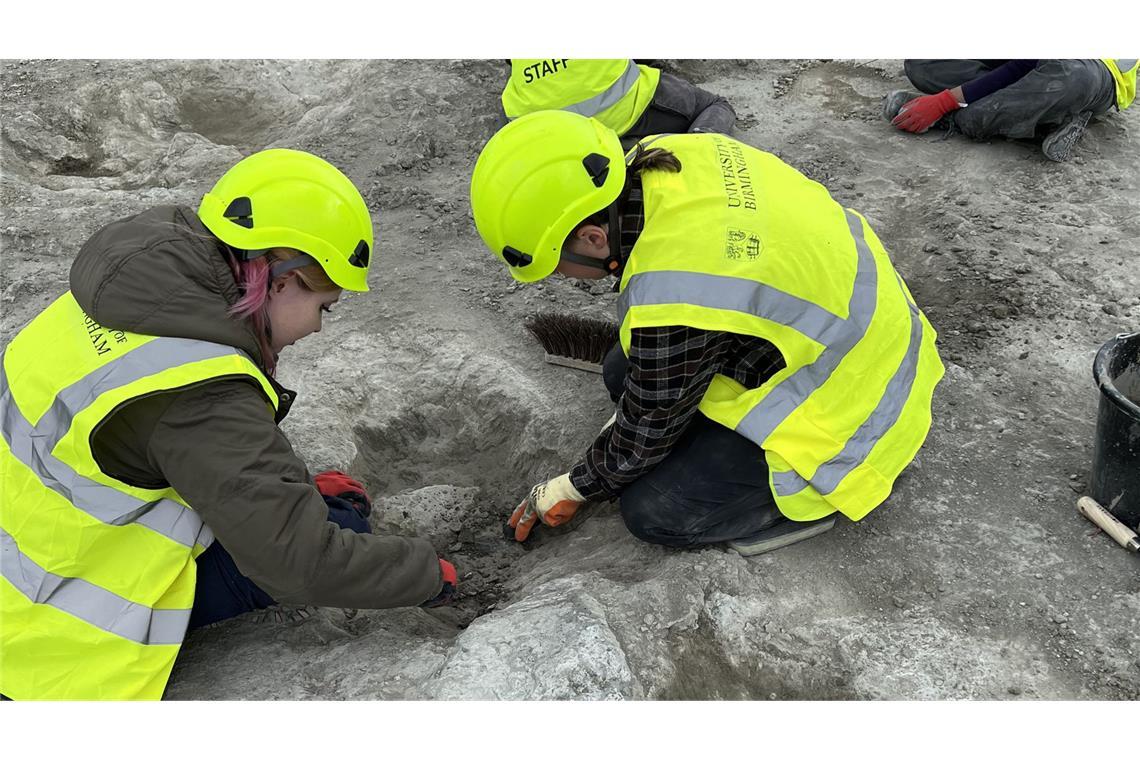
x=647 y=159
x=643 y=160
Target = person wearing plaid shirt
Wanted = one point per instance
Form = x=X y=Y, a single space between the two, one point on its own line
x=719 y=436
x=683 y=479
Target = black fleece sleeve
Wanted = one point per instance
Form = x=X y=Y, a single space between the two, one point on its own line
x=218 y=446
x=702 y=110
x=713 y=114
x=670 y=368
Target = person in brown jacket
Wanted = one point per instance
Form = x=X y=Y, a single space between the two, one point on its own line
x=172 y=272
x=279 y=540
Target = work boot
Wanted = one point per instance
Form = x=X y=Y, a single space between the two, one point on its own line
x=783 y=533
x=1058 y=145
x=895 y=100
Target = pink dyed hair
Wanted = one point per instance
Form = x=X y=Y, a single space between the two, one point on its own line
x=252 y=279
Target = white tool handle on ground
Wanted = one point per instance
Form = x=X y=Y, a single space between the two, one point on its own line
x=1104 y=520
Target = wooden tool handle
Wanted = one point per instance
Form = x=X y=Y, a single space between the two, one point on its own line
x=566 y=361
x=1104 y=520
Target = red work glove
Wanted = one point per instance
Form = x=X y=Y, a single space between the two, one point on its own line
x=450 y=583
x=337 y=483
x=919 y=115
x=554 y=502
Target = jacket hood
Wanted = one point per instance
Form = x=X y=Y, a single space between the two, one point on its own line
x=161 y=272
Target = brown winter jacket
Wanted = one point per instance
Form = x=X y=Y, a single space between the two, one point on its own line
x=162 y=273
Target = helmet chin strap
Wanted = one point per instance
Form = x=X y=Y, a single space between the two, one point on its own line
x=281 y=267
x=612 y=264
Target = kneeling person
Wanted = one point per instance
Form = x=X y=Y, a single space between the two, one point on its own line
x=773 y=368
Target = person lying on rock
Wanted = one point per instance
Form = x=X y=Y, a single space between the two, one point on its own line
x=772 y=368
x=633 y=99
x=1013 y=98
x=146 y=487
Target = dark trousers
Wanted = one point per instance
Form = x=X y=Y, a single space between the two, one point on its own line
x=222 y=592
x=1036 y=103
x=711 y=488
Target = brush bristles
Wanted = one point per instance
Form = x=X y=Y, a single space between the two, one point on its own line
x=585 y=338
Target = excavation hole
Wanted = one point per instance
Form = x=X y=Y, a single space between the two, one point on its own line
x=449 y=468
x=79 y=166
x=230 y=115
x=465 y=436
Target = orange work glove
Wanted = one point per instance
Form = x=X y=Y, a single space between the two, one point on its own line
x=339 y=484
x=554 y=502
x=446 y=594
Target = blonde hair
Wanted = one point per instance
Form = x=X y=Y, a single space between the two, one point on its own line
x=312 y=276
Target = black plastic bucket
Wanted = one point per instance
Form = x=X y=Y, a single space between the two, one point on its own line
x=1116 y=454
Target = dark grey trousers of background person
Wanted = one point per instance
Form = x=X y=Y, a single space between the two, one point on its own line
x=711 y=488
x=1038 y=102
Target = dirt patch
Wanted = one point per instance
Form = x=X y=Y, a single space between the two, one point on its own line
x=230 y=116
x=976 y=580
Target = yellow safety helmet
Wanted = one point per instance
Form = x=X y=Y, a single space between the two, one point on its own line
x=536 y=179
x=292 y=199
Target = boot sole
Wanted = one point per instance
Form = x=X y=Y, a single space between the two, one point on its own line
x=784 y=534
x=894 y=101
x=1059 y=145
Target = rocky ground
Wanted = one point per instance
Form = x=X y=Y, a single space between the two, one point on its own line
x=977 y=579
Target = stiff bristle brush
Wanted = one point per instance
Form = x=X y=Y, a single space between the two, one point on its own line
x=573 y=341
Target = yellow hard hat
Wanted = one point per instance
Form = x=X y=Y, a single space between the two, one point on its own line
x=292 y=199
x=536 y=179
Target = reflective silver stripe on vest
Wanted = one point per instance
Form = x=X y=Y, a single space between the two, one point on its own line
x=828 y=475
x=1125 y=64
x=771 y=412
x=608 y=97
x=732 y=294
x=629 y=154
x=88 y=602
x=839 y=335
x=33 y=446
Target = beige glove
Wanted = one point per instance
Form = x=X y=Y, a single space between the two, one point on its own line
x=554 y=502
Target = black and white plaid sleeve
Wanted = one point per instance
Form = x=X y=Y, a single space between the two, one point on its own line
x=670 y=369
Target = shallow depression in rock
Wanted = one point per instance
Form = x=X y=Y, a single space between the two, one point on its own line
x=447 y=468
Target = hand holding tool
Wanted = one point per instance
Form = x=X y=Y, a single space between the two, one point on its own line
x=554 y=502
x=919 y=115
x=450 y=584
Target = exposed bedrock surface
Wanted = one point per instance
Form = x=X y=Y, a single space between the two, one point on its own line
x=977 y=579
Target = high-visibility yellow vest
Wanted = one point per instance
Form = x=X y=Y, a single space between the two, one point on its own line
x=1124 y=73
x=739 y=241
x=96 y=576
x=615 y=92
